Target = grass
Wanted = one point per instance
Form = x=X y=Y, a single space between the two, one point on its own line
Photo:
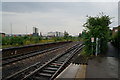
x=86 y=55
x=27 y=43
x=46 y=41
x=83 y=52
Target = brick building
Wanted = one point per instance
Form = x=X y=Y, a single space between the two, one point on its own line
x=115 y=29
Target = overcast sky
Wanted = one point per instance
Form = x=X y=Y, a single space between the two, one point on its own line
x=53 y=16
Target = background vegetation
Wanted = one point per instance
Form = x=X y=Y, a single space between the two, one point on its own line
x=13 y=41
x=97 y=27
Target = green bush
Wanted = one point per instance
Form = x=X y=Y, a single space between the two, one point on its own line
x=96 y=27
x=20 y=40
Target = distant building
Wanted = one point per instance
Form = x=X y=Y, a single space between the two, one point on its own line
x=59 y=34
x=40 y=34
x=50 y=34
x=35 y=31
x=29 y=34
x=55 y=34
x=115 y=29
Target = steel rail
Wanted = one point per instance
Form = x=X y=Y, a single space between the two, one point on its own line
x=58 y=71
x=71 y=51
x=15 y=59
x=33 y=45
x=28 y=70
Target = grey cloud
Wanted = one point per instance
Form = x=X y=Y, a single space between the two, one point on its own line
x=32 y=6
x=49 y=6
x=54 y=15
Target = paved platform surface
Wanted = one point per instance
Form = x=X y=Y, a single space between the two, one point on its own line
x=112 y=51
x=70 y=71
x=104 y=66
x=99 y=68
x=73 y=71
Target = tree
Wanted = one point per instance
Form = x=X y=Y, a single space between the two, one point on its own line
x=97 y=27
x=66 y=35
x=79 y=35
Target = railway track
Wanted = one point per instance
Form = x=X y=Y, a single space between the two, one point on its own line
x=17 y=51
x=47 y=71
x=20 y=65
x=27 y=55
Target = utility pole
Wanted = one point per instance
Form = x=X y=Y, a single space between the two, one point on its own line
x=11 y=28
x=26 y=29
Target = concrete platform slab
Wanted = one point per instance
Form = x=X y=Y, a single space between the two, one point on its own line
x=81 y=72
x=70 y=71
x=102 y=67
x=73 y=71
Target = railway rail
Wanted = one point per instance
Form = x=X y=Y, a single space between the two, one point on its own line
x=20 y=65
x=27 y=55
x=49 y=70
x=8 y=53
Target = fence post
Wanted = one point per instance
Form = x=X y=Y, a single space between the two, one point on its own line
x=96 y=46
x=92 y=40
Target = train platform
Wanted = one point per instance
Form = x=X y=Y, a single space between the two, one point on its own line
x=103 y=67
x=73 y=71
x=100 y=68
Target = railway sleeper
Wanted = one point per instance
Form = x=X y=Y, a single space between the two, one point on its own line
x=59 y=62
x=39 y=78
x=48 y=71
x=45 y=74
x=55 y=66
x=51 y=68
x=56 y=63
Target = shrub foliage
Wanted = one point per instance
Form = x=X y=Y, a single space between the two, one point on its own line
x=96 y=27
